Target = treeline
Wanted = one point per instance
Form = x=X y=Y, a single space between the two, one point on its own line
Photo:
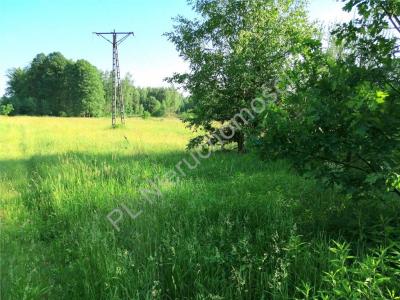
x=55 y=86
x=332 y=111
x=157 y=101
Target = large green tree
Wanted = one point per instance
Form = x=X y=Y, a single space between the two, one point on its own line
x=17 y=92
x=47 y=82
x=85 y=90
x=236 y=51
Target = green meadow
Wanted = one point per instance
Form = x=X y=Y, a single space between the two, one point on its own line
x=234 y=227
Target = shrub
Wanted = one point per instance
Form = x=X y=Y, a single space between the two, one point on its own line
x=160 y=112
x=342 y=126
x=6 y=109
x=376 y=276
x=146 y=115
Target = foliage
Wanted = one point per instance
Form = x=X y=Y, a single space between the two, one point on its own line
x=53 y=85
x=85 y=95
x=159 y=101
x=372 y=34
x=337 y=116
x=6 y=109
x=146 y=115
x=153 y=105
x=236 y=50
x=377 y=276
x=347 y=136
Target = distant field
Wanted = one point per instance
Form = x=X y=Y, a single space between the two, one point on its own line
x=233 y=228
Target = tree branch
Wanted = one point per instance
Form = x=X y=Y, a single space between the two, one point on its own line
x=396 y=26
x=395 y=89
x=397 y=19
x=366 y=162
x=336 y=162
x=389 y=15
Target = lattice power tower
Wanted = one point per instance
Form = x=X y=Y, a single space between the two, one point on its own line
x=117 y=99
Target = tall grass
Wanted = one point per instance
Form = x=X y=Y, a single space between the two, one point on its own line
x=234 y=228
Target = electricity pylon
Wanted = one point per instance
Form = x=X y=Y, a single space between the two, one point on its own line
x=117 y=99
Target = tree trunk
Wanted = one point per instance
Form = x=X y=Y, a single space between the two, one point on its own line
x=240 y=142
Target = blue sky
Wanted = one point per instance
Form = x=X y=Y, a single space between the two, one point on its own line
x=29 y=27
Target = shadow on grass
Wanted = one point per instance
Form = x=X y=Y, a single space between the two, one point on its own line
x=94 y=183
x=209 y=229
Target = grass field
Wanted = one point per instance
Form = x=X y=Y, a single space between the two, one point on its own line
x=233 y=228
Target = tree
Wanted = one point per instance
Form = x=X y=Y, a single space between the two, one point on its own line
x=36 y=86
x=85 y=90
x=236 y=50
x=173 y=101
x=153 y=106
x=338 y=117
x=17 y=82
x=136 y=102
x=47 y=82
x=40 y=87
x=371 y=34
x=17 y=91
x=108 y=91
x=128 y=93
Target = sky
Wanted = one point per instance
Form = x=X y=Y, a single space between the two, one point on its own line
x=29 y=27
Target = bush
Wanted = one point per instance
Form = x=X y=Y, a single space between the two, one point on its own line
x=376 y=276
x=6 y=109
x=160 y=112
x=342 y=126
x=146 y=115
